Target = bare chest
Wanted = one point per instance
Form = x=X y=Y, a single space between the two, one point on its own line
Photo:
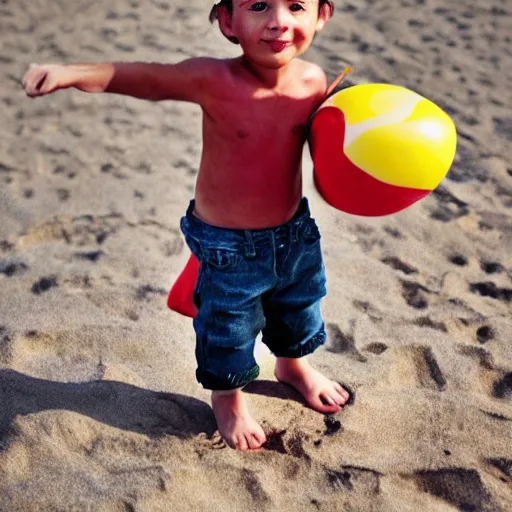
x=270 y=118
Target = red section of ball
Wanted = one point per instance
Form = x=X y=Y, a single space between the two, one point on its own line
x=343 y=184
x=181 y=296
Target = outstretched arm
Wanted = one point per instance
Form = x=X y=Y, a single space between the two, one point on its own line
x=186 y=81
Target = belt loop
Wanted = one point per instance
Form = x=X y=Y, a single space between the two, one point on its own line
x=250 y=251
x=190 y=209
x=294 y=231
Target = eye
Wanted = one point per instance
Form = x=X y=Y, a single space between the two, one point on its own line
x=296 y=7
x=258 y=6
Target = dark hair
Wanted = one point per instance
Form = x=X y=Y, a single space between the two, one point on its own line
x=228 y=4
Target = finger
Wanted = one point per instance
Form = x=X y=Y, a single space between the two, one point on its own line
x=36 y=84
x=36 y=78
x=26 y=78
x=27 y=81
x=28 y=74
x=41 y=82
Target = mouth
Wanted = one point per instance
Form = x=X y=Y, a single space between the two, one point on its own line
x=277 y=46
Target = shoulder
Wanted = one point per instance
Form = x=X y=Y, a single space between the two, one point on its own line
x=213 y=68
x=196 y=78
x=312 y=75
x=205 y=68
x=222 y=76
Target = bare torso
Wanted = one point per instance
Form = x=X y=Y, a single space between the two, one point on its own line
x=250 y=172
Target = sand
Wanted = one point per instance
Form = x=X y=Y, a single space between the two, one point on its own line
x=99 y=407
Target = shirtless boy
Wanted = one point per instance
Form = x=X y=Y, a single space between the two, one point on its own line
x=249 y=226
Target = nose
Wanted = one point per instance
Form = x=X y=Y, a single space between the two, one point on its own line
x=280 y=19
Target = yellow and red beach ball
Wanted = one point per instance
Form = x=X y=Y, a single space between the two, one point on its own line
x=378 y=148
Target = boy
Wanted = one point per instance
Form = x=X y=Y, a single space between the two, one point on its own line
x=259 y=249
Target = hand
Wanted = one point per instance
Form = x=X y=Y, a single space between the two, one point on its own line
x=44 y=79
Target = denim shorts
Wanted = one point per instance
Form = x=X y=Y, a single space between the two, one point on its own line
x=251 y=281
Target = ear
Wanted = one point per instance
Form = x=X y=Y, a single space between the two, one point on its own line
x=225 y=18
x=324 y=13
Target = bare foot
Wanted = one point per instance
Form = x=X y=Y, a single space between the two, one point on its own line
x=322 y=394
x=236 y=425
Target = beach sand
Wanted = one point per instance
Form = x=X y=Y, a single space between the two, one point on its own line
x=99 y=407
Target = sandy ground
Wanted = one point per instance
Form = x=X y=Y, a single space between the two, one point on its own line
x=99 y=407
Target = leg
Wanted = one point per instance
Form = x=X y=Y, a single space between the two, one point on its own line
x=227 y=295
x=236 y=425
x=228 y=320
x=294 y=322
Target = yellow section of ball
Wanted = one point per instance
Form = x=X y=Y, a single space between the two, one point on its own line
x=396 y=135
x=367 y=101
x=416 y=152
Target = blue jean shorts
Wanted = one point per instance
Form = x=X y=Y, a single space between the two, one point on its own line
x=251 y=281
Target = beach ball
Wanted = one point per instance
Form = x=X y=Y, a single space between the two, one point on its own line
x=379 y=148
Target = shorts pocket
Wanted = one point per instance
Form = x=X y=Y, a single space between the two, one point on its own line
x=211 y=255
x=220 y=259
x=310 y=233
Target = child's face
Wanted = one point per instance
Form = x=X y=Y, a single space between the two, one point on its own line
x=273 y=32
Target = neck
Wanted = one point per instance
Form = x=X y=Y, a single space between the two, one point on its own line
x=269 y=77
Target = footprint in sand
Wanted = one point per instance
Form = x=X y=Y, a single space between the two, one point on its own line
x=412 y=366
x=415 y=294
x=376 y=348
x=484 y=334
x=490 y=289
x=460 y=487
x=354 y=479
x=503 y=387
x=342 y=343
x=426 y=321
x=491 y=267
x=495 y=382
x=285 y=442
x=44 y=284
x=480 y=354
x=466 y=166
x=504 y=465
x=398 y=264
x=448 y=206
x=12 y=268
x=459 y=259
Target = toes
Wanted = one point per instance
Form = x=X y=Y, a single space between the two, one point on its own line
x=332 y=399
x=241 y=443
x=326 y=404
x=249 y=441
x=255 y=442
x=326 y=399
x=339 y=388
x=344 y=394
x=261 y=437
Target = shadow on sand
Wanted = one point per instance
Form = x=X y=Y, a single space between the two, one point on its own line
x=120 y=405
